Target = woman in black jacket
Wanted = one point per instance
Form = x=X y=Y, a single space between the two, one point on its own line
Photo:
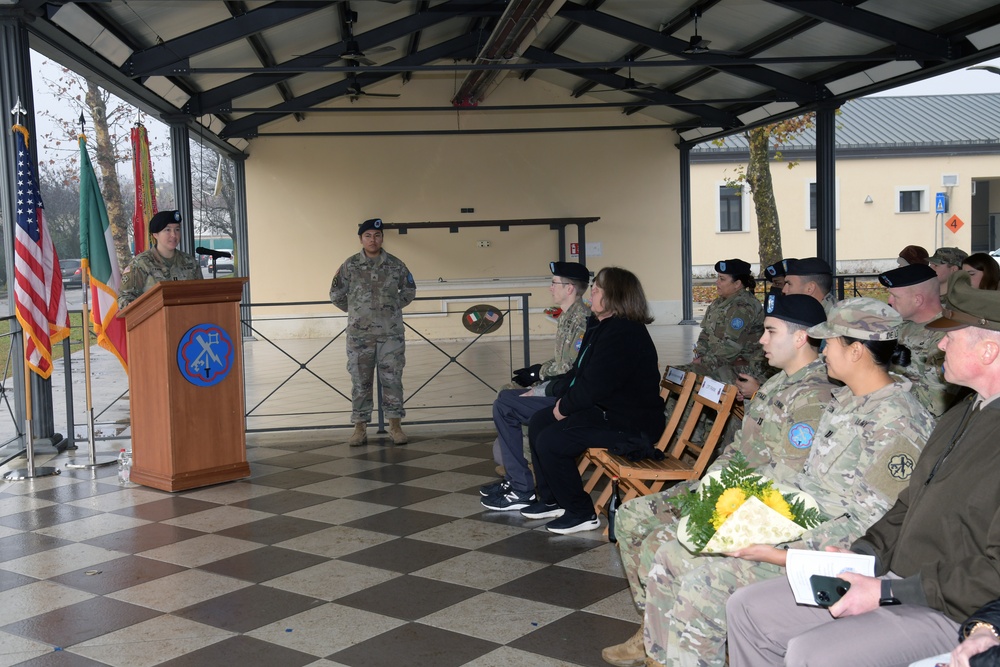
x=611 y=395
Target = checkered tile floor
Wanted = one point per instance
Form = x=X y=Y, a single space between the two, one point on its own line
x=327 y=555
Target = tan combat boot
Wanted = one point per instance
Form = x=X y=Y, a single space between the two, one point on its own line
x=360 y=435
x=631 y=653
x=396 y=432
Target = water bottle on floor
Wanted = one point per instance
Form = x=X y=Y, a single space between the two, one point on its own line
x=124 y=467
x=613 y=503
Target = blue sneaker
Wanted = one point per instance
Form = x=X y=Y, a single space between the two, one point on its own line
x=508 y=502
x=569 y=523
x=542 y=510
x=495 y=489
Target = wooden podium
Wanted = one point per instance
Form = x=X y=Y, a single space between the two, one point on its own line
x=185 y=376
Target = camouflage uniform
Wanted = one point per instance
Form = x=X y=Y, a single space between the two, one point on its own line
x=731 y=329
x=373 y=291
x=924 y=371
x=829 y=301
x=150 y=267
x=862 y=457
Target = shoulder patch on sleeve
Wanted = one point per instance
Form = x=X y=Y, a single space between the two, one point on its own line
x=409 y=279
x=737 y=323
x=579 y=342
x=800 y=436
x=900 y=466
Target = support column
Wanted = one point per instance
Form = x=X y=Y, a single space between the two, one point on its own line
x=15 y=82
x=240 y=228
x=180 y=158
x=826 y=186
x=687 y=285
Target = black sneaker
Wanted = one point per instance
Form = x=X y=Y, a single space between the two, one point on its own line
x=569 y=523
x=495 y=489
x=542 y=510
x=510 y=501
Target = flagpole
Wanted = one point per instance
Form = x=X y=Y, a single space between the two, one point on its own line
x=85 y=312
x=31 y=471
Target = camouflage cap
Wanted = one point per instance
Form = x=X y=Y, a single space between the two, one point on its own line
x=953 y=256
x=810 y=266
x=904 y=276
x=862 y=318
x=968 y=306
x=733 y=267
x=796 y=308
x=374 y=223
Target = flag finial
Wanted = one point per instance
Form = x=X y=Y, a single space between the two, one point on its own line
x=18 y=111
x=83 y=123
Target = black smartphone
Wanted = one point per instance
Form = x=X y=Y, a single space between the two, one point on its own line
x=827 y=590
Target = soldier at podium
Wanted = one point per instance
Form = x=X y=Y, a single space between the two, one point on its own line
x=161 y=262
x=373 y=287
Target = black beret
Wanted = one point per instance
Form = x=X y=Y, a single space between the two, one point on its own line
x=777 y=269
x=733 y=267
x=810 y=266
x=162 y=219
x=796 y=308
x=374 y=223
x=571 y=270
x=904 y=276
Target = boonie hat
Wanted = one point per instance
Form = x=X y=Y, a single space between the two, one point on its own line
x=912 y=254
x=571 y=270
x=952 y=256
x=810 y=266
x=968 y=306
x=374 y=223
x=159 y=221
x=733 y=267
x=862 y=318
x=904 y=276
x=795 y=308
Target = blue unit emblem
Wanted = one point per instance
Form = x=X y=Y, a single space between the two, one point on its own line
x=205 y=355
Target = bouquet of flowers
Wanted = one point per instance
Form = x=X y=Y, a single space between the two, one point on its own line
x=553 y=313
x=738 y=507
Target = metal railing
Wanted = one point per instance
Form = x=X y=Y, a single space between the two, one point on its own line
x=298 y=384
x=859 y=284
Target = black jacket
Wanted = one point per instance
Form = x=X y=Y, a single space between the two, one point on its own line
x=616 y=377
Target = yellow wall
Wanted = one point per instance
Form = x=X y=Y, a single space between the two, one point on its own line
x=306 y=196
x=869 y=236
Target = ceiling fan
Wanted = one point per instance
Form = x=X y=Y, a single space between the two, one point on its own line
x=631 y=85
x=353 y=51
x=698 y=44
x=355 y=92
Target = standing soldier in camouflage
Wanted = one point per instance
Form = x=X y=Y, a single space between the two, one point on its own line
x=373 y=287
x=778 y=427
x=866 y=445
x=728 y=343
x=913 y=292
x=161 y=262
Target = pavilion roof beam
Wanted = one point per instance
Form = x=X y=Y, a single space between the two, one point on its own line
x=414 y=42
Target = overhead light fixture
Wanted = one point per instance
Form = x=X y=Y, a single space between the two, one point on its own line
x=89 y=32
x=868 y=200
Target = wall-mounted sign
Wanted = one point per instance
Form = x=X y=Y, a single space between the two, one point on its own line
x=482 y=319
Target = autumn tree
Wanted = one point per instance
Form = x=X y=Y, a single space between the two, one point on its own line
x=214 y=184
x=765 y=143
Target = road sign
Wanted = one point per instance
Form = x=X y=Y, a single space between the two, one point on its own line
x=954 y=224
x=941 y=203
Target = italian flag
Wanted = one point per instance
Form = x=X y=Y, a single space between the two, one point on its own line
x=100 y=263
x=473 y=317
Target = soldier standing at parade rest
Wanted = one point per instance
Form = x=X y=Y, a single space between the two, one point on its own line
x=161 y=262
x=730 y=331
x=913 y=293
x=373 y=287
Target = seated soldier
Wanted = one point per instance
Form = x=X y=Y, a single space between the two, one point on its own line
x=514 y=407
x=811 y=276
x=945 y=262
x=936 y=560
x=855 y=466
x=793 y=399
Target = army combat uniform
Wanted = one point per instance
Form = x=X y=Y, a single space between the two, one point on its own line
x=924 y=371
x=862 y=456
x=730 y=330
x=373 y=291
x=150 y=267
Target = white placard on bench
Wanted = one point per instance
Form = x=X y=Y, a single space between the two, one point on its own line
x=712 y=390
x=675 y=375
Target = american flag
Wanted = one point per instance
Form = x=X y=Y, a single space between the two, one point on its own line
x=38 y=290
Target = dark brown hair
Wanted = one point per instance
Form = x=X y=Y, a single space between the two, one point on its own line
x=989 y=268
x=623 y=294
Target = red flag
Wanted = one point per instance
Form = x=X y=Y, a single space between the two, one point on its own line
x=38 y=289
x=145 y=189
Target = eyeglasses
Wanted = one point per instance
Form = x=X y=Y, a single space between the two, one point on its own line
x=556 y=282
